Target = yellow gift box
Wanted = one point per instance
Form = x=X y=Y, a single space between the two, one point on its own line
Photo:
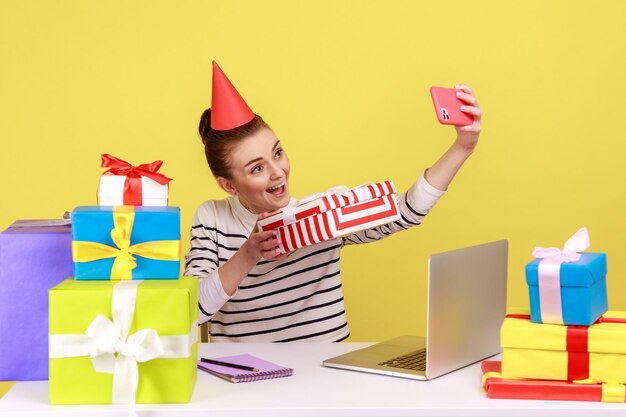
x=564 y=353
x=123 y=342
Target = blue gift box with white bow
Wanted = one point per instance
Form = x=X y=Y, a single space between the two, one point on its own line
x=583 y=290
x=567 y=287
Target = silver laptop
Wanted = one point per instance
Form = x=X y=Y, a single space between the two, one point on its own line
x=466 y=306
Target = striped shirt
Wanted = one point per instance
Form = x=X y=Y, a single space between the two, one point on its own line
x=297 y=298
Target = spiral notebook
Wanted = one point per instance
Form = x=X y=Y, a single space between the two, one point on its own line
x=266 y=369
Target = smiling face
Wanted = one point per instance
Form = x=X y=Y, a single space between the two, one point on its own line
x=259 y=173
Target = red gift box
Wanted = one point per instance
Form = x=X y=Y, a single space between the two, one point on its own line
x=536 y=389
x=338 y=213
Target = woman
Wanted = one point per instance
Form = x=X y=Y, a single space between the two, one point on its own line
x=249 y=290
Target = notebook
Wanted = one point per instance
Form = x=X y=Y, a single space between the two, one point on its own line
x=266 y=369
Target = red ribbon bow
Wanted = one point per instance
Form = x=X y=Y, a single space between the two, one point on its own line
x=132 y=185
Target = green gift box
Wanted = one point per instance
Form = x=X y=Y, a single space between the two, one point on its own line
x=121 y=342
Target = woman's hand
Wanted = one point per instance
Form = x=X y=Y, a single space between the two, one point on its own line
x=467 y=136
x=443 y=171
x=263 y=245
x=259 y=245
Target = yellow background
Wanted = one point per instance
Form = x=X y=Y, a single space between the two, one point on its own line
x=345 y=87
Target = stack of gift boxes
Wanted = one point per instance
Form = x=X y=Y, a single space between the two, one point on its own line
x=123 y=329
x=569 y=347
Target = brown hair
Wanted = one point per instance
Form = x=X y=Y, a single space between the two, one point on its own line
x=219 y=143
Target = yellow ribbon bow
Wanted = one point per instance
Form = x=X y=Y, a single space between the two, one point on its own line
x=123 y=219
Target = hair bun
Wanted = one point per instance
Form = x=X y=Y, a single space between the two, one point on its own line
x=205 y=124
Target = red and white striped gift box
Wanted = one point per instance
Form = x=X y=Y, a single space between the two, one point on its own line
x=321 y=202
x=330 y=215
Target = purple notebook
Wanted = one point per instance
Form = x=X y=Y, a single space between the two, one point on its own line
x=266 y=369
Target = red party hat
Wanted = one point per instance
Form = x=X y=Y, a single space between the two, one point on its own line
x=228 y=109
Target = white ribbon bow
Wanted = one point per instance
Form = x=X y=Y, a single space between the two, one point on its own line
x=570 y=252
x=116 y=354
x=317 y=201
x=361 y=192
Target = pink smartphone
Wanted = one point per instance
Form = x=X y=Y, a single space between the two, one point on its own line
x=448 y=107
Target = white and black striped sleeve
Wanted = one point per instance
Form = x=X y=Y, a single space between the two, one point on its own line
x=413 y=207
x=202 y=262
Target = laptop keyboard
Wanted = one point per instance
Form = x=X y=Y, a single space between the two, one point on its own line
x=414 y=360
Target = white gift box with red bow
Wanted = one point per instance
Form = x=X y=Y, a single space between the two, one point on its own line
x=125 y=184
x=339 y=212
x=111 y=191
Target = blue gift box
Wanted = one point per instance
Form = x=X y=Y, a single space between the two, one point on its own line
x=35 y=255
x=126 y=242
x=583 y=289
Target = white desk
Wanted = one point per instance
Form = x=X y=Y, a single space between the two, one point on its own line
x=315 y=391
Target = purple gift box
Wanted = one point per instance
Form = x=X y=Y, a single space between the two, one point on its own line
x=34 y=257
